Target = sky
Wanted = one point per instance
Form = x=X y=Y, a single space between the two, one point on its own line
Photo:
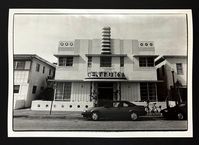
x=40 y=34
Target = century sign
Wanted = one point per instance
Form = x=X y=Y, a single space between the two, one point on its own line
x=106 y=75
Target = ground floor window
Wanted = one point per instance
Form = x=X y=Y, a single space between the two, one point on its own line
x=16 y=88
x=34 y=89
x=148 y=91
x=63 y=91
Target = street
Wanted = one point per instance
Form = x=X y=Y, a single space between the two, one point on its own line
x=79 y=123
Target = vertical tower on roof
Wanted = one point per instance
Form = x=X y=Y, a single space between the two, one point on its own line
x=106 y=40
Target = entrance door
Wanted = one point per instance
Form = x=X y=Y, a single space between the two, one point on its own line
x=105 y=93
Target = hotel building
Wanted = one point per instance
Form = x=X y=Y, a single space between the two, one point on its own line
x=90 y=72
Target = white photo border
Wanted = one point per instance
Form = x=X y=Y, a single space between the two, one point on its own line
x=96 y=134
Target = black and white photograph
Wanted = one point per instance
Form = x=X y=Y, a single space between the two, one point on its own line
x=100 y=73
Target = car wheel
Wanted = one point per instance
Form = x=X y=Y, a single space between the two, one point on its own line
x=180 y=116
x=134 y=116
x=95 y=116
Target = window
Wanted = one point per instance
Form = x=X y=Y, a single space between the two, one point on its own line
x=146 y=62
x=63 y=91
x=121 y=61
x=49 y=72
x=34 y=89
x=37 y=67
x=148 y=91
x=19 y=64
x=179 y=68
x=16 y=88
x=105 y=61
x=89 y=61
x=66 y=61
x=43 y=69
x=142 y=62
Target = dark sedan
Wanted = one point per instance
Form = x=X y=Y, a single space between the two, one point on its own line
x=177 y=112
x=115 y=110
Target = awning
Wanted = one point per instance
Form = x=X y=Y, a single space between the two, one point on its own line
x=51 y=80
x=106 y=80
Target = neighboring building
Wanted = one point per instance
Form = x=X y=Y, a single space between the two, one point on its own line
x=30 y=77
x=91 y=71
x=165 y=65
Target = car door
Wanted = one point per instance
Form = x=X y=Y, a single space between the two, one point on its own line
x=124 y=111
x=111 y=112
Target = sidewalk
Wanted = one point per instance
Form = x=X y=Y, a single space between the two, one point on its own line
x=55 y=114
x=61 y=114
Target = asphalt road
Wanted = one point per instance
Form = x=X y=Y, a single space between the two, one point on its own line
x=79 y=123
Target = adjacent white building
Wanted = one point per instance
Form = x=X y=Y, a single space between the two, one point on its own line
x=30 y=75
x=165 y=65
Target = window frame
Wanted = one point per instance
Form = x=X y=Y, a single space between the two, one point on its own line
x=14 y=90
x=145 y=62
x=16 y=65
x=151 y=91
x=104 y=62
x=43 y=69
x=34 y=89
x=65 y=61
x=63 y=95
x=179 y=70
x=37 y=67
x=89 y=63
x=122 y=61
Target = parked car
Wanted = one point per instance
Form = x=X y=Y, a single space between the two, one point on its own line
x=177 y=112
x=115 y=110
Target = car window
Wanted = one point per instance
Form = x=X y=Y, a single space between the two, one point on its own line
x=125 y=104
x=116 y=104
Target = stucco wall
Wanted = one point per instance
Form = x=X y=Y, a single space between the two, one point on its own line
x=130 y=91
x=37 y=79
x=131 y=68
x=21 y=78
x=171 y=64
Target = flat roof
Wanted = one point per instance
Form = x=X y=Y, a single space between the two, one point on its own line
x=113 y=55
x=30 y=57
x=145 y=55
x=62 y=55
x=161 y=58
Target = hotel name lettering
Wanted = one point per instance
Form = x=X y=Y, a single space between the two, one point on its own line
x=106 y=75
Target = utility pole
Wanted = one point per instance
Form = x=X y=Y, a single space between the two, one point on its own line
x=174 y=86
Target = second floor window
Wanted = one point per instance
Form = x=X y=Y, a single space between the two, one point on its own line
x=105 y=61
x=16 y=88
x=66 y=61
x=49 y=72
x=121 y=61
x=37 y=67
x=179 y=68
x=43 y=69
x=19 y=65
x=146 y=62
x=89 y=61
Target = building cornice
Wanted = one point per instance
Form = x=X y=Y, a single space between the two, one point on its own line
x=112 y=55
